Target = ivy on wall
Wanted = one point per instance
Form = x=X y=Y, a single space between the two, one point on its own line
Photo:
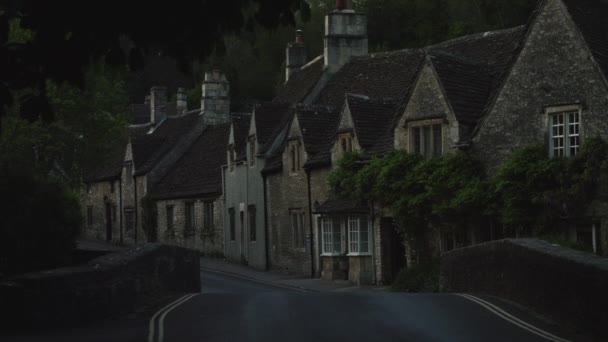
x=529 y=196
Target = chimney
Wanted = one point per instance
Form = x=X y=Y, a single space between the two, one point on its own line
x=215 y=101
x=182 y=101
x=345 y=35
x=158 y=104
x=296 y=56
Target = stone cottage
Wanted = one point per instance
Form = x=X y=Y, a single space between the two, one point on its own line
x=245 y=202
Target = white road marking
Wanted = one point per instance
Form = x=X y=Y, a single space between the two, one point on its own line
x=168 y=307
x=161 y=321
x=256 y=281
x=512 y=319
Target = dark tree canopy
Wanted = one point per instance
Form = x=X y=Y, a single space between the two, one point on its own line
x=69 y=34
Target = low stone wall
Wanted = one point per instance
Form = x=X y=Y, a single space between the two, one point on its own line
x=113 y=284
x=568 y=286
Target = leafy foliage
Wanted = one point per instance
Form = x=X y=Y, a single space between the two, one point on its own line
x=418 y=278
x=530 y=195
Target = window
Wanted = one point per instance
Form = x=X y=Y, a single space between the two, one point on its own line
x=169 y=209
x=297 y=228
x=90 y=215
x=231 y=158
x=252 y=223
x=129 y=171
x=114 y=213
x=331 y=236
x=564 y=131
x=427 y=140
x=358 y=234
x=88 y=188
x=208 y=219
x=252 y=151
x=294 y=155
x=232 y=224
x=129 y=220
x=345 y=143
x=190 y=217
x=112 y=187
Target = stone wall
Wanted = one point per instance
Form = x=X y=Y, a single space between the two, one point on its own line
x=555 y=68
x=207 y=241
x=110 y=285
x=287 y=192
x=565 y=285
x=95 y=196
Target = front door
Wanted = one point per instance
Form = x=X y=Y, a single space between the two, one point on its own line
x=393 y=250
x=242 y=221
x=108 y=222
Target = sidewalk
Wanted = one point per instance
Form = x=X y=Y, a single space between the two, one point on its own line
x=280 y=279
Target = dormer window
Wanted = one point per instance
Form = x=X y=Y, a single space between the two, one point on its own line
x=426 y=139
x=252 y=150
x=294 y=155
x=345 y=143
x=231 y=158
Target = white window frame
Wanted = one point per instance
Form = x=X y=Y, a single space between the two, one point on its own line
x=570 y=129
x=330 y=227
x=353 y=224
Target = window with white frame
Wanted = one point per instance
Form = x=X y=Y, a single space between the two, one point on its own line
x=331 y=236
x=358 y=234
x=564 y=133
x=426 y=140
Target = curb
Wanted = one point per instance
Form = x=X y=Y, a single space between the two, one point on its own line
x=236 y=275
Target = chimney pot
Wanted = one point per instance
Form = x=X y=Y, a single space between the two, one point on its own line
x=341 y=4
x=299 y=36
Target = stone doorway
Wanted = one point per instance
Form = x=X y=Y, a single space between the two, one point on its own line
x=393 y=250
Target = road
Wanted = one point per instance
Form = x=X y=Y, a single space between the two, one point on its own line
x=235 y=309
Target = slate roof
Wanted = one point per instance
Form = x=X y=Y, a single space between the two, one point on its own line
x=591 y=18
x=109 y=169
x=387 y=75
x=268 y=118
x=301 y=82
x=198 y=172
x=149 y=149
x=371 y=118
x=318 y=125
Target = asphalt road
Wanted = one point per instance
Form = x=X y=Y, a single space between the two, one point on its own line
x=236 y=309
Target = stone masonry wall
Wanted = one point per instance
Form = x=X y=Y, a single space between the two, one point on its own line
x=287 y=191
x=98 y=194
x=319 y=192
x=554 y=68
x=209 y=242
x=427 y=100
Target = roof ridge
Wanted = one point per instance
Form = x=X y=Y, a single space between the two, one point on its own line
x=475 y=35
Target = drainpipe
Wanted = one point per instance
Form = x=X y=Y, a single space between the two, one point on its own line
x=135 y=209
x=120 y=209
x=247 y=237
x=225 y=237
x=312 y=236
x=265 y=224
x=373 y=240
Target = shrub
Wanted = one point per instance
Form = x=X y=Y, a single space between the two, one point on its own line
x=418 y=278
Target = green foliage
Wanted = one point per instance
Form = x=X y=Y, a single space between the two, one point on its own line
x=418 y=278
x=40 y=222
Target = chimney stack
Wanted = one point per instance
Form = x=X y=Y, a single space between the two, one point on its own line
x=345 y=35
x=215 y=101
x=158 y=104
x=182 y=101
x=296 y=56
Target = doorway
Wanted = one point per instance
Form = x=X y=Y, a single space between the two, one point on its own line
x=108 y=222
x=393 y=250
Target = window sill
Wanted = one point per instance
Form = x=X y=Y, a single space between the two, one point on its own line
x=331 y=254
x=359 y=254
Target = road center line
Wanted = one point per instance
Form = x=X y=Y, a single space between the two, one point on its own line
x=159 y=312
x=256 y=280
x=161 y=321
x=512 y=319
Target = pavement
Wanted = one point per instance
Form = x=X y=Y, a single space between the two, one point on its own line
x=281 y=279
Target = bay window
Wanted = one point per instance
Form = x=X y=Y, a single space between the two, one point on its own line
x=358 y=234
x=331 y=236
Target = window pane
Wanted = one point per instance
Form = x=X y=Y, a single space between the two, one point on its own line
x=416 y=140
x=437 y=145
x=232 y=224
x=364 y=236
x=353 y=234
x=252 y=223
x=426 y=135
